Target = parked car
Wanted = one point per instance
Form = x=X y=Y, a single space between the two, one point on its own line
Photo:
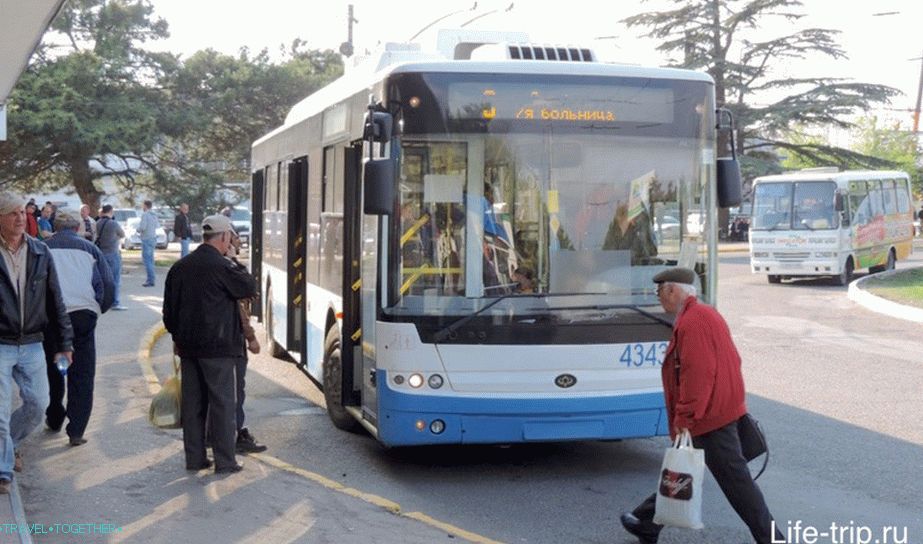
x=167 y=217
x=240 y=218
x=121 y=215
x=133 y=241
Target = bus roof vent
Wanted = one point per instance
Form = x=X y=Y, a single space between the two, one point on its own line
x=458 y=44
x=528 y=51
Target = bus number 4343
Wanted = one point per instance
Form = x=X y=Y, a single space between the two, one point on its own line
x=648 y=354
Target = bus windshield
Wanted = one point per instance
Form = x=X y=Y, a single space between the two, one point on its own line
x=560 y=208
x=803 y=205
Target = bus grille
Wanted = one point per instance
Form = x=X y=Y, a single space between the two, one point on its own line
x=792 y=256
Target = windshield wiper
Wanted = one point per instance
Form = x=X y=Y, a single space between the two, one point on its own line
x=634 y=307
x=455 y=325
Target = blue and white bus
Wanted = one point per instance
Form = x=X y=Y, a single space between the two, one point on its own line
x=458 y=246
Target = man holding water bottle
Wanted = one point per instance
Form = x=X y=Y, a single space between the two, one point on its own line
x=88 y=290
x=30 y=304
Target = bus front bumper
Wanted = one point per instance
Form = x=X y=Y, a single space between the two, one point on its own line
x=408 y=419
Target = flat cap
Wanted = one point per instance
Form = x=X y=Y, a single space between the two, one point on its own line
x=677 y=274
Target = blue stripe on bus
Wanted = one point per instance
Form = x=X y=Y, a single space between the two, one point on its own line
x=502 y=421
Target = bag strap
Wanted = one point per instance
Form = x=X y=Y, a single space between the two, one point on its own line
x=765 y=446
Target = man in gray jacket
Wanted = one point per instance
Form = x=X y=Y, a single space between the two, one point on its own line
x=147 y=231
x=108 y=237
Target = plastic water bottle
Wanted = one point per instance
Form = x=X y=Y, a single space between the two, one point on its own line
x=61 y=361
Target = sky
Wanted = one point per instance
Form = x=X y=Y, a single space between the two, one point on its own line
x=880 y=48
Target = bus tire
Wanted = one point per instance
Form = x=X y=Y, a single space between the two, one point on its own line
x=774 y=278
x=892 y=260
x=275 y=350
x=333 y=384
x=846 y=275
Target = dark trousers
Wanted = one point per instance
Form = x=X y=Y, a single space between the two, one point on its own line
x=80 y=377
x=729 y=468
x=208 y=390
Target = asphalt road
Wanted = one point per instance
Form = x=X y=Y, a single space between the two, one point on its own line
x=837 y=388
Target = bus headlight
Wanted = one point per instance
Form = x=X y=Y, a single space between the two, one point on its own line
x=435 y=381
x=398 y=379
x=437 y=426
x=415 y=380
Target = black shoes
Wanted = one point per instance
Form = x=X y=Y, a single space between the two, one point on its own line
x=202 y=466
x=147 y=285
x=646 y=531
x=77 y=441
x=229 y=470
x=247 y=444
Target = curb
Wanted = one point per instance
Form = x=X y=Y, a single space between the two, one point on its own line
x=881 y=305
x=19 y=513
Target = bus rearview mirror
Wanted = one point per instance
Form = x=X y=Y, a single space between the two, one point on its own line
x=378 y=187
x=729 y=193
x=838 y=202
x=378 y=127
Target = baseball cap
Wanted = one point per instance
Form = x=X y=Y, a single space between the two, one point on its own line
x=216 y=224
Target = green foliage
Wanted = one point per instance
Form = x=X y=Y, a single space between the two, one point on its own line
x=95 y=103
x=711 y=35
x=894 y=144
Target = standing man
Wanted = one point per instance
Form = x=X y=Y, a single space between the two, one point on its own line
x=182 y=230
x=87 y=224
x=704 y=392
x=147 y=231
x=108 y=236
x=200 y=310
x=87 y=289
x=30 y=303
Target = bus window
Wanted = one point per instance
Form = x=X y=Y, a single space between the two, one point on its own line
x=858 y=202
x=874 y=188
x=813 y=206
x=888 y=198
x=903 y=198
x=771 y=205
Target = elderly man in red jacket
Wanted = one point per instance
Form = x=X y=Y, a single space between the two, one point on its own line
x=704 y=392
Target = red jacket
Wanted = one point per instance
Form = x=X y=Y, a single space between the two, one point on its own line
x=710 y=389
x=31 y=225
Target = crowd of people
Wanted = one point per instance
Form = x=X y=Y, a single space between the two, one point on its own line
x=60 y=271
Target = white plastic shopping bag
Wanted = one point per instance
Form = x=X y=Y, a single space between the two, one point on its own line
x=679 y=491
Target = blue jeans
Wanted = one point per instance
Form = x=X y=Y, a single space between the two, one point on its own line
x=114 y=260
x=24 y=365
x=183 y=247
x=147 y=255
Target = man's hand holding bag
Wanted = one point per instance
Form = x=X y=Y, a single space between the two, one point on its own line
x=679 y=490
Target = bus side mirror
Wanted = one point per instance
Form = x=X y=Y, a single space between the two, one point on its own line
x=838 y=202
x=378 y=188
x=378 y=127
x=729 y=193
x=728 y=169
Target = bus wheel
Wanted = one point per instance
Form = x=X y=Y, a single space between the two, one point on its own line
x=846 y=275
x=333 y=384
x=774 y=278
x=275 y=349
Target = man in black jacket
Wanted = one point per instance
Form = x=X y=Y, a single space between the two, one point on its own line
x=30 y=304
x=201 y=313
x=182 y=230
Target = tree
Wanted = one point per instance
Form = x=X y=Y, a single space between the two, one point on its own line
x=92 y=107
x=709 y=34
x=237 y=99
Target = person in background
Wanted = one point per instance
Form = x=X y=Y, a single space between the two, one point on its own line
x=87 y=289
x=87 y=224
x=147 y=231
x=182 y=230
x=31 y=221
x=201 y=313
x=704 y=393
x=524 y=279
x=45 y=226
x=108 y=238
x=30 y=305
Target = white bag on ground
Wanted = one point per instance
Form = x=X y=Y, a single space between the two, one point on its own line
x=679 y=491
